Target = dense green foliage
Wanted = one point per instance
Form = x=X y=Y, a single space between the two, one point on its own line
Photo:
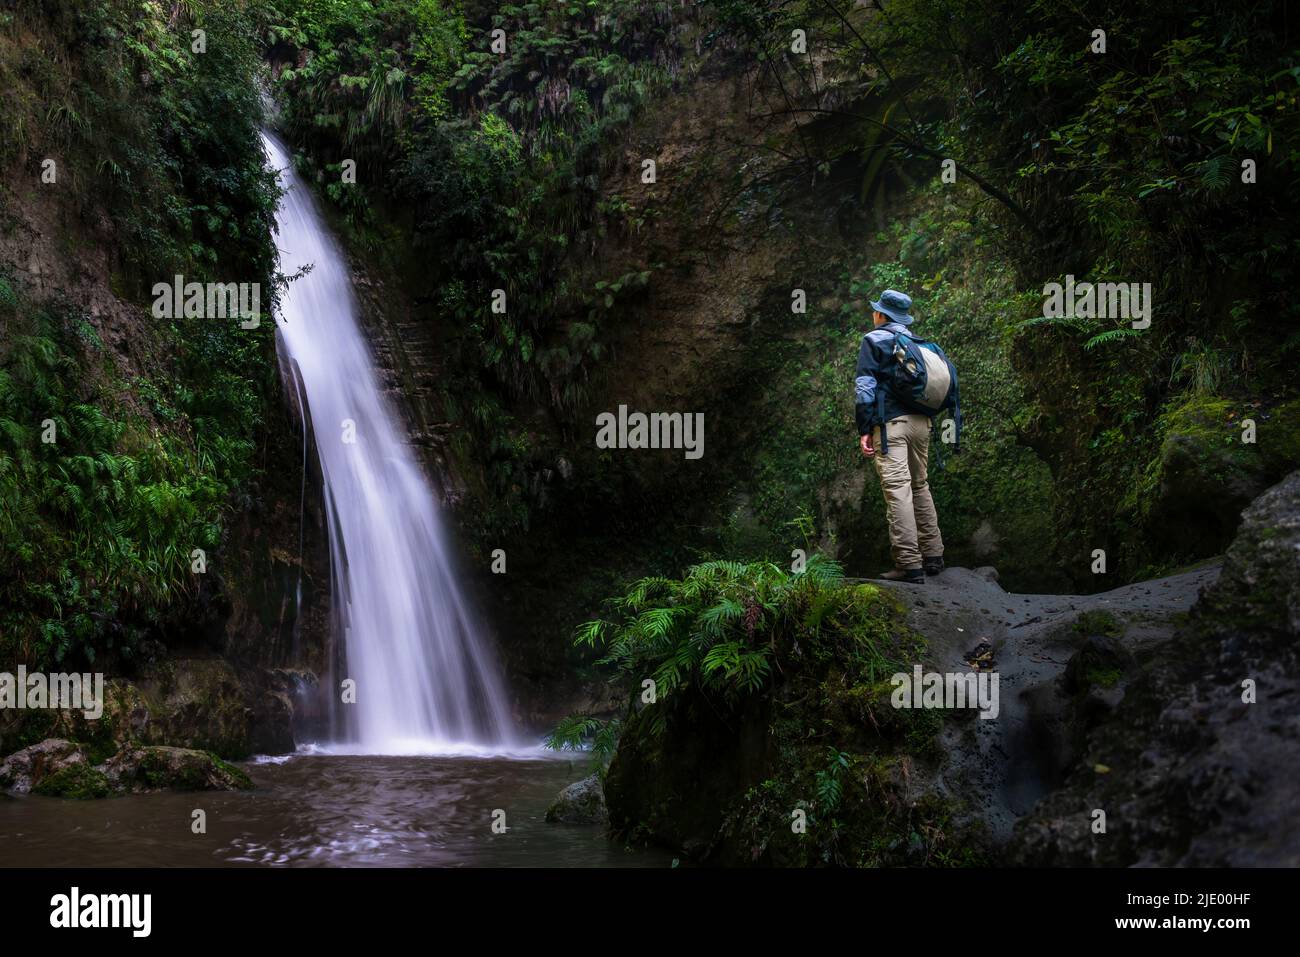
x=495 y=150
x=1104 y=166
x=1124 y=165
x=753 y=691
x=718 y=629
x=101 y=521
x=489 y=166
x=162 y=137
x=114 y=468
x=494 y=157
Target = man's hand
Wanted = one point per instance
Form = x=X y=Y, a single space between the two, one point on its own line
x=868 y=449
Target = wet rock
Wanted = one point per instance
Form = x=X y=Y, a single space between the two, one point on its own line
x=182 y=769
x=200 y=703
x=125 y=718
x=673 y=788
x=272 y=724
x=582 y=802
x=78 y=781
x=60 y=768
x=122 y=716
x=284 y=708
x=310 y=701
x=24 y=770
x=1203 y=758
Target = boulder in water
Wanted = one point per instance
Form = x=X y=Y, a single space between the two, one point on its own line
x=582 y=802
x=60 y=768
x=24 y=770
x=181 y=769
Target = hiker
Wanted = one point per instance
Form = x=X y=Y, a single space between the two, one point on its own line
x=902 y=383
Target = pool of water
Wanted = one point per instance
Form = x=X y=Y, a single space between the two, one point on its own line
x=327 y=810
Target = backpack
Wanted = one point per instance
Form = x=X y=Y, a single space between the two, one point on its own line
x=922 y=378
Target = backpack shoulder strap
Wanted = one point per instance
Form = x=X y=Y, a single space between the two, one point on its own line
x=898 y=329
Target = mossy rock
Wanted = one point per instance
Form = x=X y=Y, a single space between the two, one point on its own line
x=79 y=782
x=24 y=770
x=60 y=768
x=178 y=769
x=1192 y=494
x=124 y=719
x=1205 y=775
x=193 y=703
x=1258 y=591
x=582 y=802
x=1279 y=437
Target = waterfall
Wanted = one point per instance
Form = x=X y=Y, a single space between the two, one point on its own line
x=425 y=679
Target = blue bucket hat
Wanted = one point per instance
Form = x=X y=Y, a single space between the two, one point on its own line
x=895 y=305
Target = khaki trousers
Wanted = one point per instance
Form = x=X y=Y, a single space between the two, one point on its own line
x=913 y=522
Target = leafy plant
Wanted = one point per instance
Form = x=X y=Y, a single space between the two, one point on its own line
x=719 y=628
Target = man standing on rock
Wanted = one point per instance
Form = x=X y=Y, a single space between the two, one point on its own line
x=902 y=383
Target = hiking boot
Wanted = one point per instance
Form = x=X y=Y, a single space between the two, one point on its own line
x=932 y=566
x=910 y=576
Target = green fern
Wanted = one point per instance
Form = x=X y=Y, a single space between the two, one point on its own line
x=1111 y=335
x=717 y=629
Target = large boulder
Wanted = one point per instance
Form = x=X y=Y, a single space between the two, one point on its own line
x=24 y=770
x=582 y=802
x=1205 y=473
x=674 y=786
x=180 y=769
x=813 y=767
x=1199 y=764
x=62 y=768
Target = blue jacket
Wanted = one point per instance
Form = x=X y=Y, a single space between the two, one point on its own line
x=867 y=390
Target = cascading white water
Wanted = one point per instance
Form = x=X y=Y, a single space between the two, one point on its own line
x=425 y=679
